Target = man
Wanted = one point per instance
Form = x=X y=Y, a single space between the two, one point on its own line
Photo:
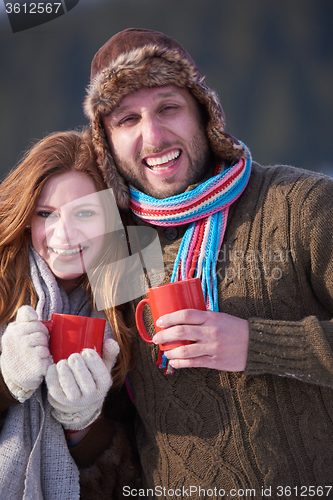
x=248 y=412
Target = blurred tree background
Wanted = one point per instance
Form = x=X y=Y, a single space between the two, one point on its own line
x=271 y=63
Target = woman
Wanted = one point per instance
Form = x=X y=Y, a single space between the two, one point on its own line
x=56 y=222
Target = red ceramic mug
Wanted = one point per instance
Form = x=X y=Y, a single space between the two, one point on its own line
x=166 y=299
x=69 y=334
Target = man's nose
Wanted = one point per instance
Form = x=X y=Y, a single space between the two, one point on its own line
x=152 y=131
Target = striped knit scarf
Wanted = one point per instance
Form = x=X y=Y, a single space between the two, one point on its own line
x=206 y=209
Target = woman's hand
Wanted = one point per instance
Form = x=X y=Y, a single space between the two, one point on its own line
x=25 y=355
x=77 y=386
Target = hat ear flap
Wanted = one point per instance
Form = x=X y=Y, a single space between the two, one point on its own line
x=115 y=181
x=225 y=145
x=109 y=170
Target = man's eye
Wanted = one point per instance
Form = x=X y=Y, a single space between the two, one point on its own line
x=170 y=107
x=128 y=120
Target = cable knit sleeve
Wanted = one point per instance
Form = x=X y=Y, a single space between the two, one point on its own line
x=302 y=349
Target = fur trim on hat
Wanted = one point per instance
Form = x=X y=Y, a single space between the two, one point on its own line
x=151 y=65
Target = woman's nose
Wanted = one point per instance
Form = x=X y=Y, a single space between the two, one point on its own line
x=65 y=230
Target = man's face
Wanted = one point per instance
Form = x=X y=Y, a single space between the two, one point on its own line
x=158 y=140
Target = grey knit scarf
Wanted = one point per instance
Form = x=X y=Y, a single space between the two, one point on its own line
x=35 y=463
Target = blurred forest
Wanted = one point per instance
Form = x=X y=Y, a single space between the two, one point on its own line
x=271 y=62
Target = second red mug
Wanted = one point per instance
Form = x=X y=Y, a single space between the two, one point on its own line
x=169 y=298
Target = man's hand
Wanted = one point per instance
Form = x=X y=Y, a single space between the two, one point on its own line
x=220 y=340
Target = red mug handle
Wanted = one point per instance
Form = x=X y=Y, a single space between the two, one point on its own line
x=139 y=321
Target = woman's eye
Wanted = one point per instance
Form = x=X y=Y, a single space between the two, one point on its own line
x=45 y=214
x=85 y=214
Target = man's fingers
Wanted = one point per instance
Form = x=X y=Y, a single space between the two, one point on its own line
x=193 y=333
x=199 y=362
x=183 y=317
x=188 y=351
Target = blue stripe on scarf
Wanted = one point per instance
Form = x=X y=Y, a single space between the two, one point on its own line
x=217 y=226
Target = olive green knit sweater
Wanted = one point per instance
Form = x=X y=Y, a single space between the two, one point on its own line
x=271 y=426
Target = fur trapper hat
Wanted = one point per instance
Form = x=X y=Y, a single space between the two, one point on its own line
x=136 y=58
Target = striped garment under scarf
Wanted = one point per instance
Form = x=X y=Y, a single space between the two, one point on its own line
x=206 y=209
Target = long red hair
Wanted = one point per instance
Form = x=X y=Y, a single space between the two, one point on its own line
x=57 y=153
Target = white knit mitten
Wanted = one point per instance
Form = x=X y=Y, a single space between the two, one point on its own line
x=25 y=355
x=78 y=385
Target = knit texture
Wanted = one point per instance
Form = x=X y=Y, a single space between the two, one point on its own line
x=35 y=463
x=206 y=208
x=271 y=425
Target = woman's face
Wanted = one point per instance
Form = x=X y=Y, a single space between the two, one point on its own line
x=68 y=226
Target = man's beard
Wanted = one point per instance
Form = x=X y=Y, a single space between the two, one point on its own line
x=200 y=161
